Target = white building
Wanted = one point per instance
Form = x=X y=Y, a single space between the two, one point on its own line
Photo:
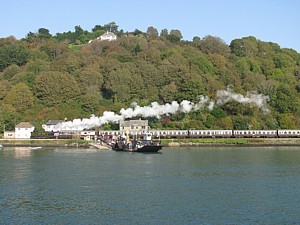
x=134 y=125
x=23 y=130
x=50 y=125
x=108 y=36
x=88 y=135
x=9 y=134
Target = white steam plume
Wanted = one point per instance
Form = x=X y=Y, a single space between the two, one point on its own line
x=253 y=98
x=157 y=110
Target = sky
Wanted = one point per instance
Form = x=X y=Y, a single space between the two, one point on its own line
x=275 y=21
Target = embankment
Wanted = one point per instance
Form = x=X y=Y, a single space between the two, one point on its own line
x=232 y=142
x=164 y=142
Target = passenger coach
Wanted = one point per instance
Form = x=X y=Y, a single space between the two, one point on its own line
x=255 y=133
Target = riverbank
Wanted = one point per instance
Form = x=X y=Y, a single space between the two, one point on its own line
x=44 y=142
x=164 y=142
x=232 y=142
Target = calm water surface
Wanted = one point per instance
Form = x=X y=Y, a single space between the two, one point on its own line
x=178 y=186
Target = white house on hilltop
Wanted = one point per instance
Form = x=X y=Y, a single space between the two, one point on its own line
x=108 y=36
x=23 y=130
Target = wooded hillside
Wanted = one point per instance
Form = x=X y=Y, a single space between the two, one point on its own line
x=45 y=76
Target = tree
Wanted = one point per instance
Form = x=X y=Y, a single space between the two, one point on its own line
x=152 y=33
x=210 y=44
x=44 y=33
x=287 y=121
x=244 y=47
x=20 y=97
x=168 y=92
x=97 y=28
x=10 y=71
x=89 y=77
x=55 y=87
x=164 y=33
x=38 y=65
x=112 y=27
x=8 y=117
x=174 y=36
x=91 y=100
x=199 y=60
x=3 y=88
x=196 y=40
x=13 y=54
x=24 y=77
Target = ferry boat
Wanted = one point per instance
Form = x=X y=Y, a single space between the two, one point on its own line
x=146 y=144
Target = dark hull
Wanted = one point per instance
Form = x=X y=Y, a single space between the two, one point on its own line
x=148 y=148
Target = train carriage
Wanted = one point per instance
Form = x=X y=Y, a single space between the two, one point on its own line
x=288 y=133
x=255 y=133
x=170 y=133
x=210 y=133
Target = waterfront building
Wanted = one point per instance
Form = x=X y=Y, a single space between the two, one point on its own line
x=50 y=125
x=134 y=125
x=23 y=130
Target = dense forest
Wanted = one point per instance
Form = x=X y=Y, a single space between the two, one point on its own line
x=45 y=76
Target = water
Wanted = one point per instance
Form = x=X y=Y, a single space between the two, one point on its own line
x=178 y=186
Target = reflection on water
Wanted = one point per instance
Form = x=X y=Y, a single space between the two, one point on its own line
x=178 y=186
x=22 y=152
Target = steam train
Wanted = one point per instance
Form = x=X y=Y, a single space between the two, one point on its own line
x=167 y=134
x=210 y=133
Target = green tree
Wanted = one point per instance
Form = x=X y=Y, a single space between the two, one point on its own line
x=89 y=76
x=55 y=87
x=10 y=71
x=91 y=100
x=13 y=54
x=44 y=33
x=210 y=44
x=198 y=60
x=8 y=117
x=164 y=33
x=27 y=78
x=152 y=32
x=174 y=36
x=3 y=88
x=244 y=47
x=20 y=97
x=287 y=121
x=168 y=92
x=38 y=65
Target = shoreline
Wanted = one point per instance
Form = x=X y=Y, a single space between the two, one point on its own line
x=214 y=142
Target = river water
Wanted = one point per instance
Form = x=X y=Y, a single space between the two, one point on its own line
x=205 y=185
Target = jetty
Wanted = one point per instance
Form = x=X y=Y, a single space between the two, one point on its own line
x=102 y=146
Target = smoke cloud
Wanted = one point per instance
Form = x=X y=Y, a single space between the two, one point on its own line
x=251 y=98
x=157 y=110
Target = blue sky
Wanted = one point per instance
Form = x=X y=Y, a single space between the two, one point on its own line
x=268 y=20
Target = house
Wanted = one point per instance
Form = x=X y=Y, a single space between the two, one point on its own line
x=50 y=125
x=23 y=130
x=9 y=134
x=88 y=135
x=134 y=125
x=108 y=36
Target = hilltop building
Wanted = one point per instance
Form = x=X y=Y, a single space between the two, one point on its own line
x=108 y=36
